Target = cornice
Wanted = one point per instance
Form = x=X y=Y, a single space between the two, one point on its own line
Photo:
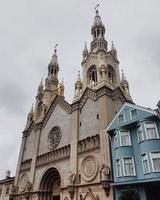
x=26 y=165
x=89 y=143
x=53 y=156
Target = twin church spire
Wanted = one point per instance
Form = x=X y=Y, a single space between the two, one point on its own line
x=100 y=67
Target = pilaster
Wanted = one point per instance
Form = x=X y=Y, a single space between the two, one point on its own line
x=34 y=154
x=74 y=149
x=20 y=160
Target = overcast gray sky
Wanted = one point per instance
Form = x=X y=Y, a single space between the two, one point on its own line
x=28 y=32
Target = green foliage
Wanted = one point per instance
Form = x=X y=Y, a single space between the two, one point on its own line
x=129 y=194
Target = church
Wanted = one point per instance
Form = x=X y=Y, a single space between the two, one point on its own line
x=64 y=151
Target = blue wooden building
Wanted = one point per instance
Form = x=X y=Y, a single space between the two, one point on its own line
x=135 y=152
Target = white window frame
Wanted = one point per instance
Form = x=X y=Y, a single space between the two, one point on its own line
x=152 y=160
x=117 y=168
x=116 y=135
x=123 y=118
x=149 y=170
x=134 y=170
x=140 y=126
x=148 y=122
x=120 y=141
x=132 y=115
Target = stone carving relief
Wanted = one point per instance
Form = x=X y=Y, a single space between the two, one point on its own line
x=89 y=168
x=89 y=196
x=72 y=179
x=54 y=137
x=23 y=182
x=105 y=172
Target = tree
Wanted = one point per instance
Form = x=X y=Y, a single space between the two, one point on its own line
x=129 y=194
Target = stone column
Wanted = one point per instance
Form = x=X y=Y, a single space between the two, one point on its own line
x=106 y=110
x=74 y=144
x=35 y=153
x=20 y=159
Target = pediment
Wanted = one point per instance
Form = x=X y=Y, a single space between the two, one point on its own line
x=88 y=94
x=57 y=101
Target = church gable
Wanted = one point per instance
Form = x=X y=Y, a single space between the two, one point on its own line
x=57 y=127
x=61 y=102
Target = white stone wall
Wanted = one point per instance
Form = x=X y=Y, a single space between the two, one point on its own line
x=88 y=119
x=28 y=148
x=59 y=118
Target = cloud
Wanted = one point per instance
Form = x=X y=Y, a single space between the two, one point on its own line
x=30 y=29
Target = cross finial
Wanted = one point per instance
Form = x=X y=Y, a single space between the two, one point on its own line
x=98 y=4
x=55 y=47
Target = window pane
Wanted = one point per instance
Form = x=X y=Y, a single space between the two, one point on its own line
x=118 y=167
x=140 y=134
x=156 y=161
x=134 y=114
x=125 y=138
x=151 y=130
x=116 y=142
x=121 y=118
x=128 y=166
x=145 y=163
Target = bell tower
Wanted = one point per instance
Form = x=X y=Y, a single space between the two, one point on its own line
x=100 y=66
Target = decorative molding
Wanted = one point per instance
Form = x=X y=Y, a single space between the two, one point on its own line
x=104 y=91
x=52 y=156
x=88 y=93
x=23 y=182
x=89 y=143
x=64 y=104
x=25 y=165
x=117 y=93
x=90 y=195
x=89 y=168
x=27 y=132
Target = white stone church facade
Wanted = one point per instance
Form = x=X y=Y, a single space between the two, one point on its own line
x=64 y=151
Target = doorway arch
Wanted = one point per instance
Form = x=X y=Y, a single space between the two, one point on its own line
x=50 y=185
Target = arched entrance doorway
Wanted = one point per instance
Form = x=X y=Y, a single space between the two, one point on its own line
x=50 y=185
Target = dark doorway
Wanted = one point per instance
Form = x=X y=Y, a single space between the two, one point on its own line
x=152 y=193
x=56 y=197
x=50 y=185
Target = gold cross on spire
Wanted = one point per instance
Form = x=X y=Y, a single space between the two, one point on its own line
x=55 y=47
x=98 y=4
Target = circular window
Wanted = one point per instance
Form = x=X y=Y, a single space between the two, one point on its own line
x=54 y=137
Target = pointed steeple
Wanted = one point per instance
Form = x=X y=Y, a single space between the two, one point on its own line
x=85 y=52
x=78 y=86
x=54 y=59
x=114 y=51
x=40 y=90
x=53 y=67
x=123 y=77
x=30 y=117
x=125 y=84
x=61 y=89
x=98 y=34
x=98 y=28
